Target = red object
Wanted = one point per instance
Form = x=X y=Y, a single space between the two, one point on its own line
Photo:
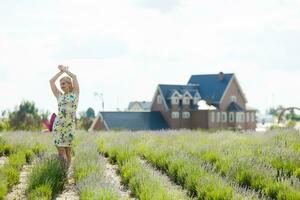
x=49 y=125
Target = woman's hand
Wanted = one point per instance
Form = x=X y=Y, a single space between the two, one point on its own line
x=63 y=68
x=66 y=68
x=60 y=67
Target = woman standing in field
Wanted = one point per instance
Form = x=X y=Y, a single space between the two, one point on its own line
x=64 y=124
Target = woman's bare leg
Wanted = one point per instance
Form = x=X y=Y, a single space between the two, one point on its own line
x=62 y=154
x=69 y=155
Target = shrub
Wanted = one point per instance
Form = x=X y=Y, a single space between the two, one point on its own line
x=42 y=192
x=49 y=171
x=17 y=160
x=4 y=125
x=11 y=174
x=291 y=124
x=3 y=185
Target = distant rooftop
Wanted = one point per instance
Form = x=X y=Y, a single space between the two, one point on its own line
x=134 y=120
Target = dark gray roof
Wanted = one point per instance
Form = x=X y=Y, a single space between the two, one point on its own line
x=210 y=86
x=234 y=107
x=168 y=90
x=135 y=120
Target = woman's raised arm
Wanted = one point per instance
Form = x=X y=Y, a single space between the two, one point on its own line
x=74 y=78
x=54 y=89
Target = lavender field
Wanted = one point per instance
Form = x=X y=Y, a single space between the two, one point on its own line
x=153 y=165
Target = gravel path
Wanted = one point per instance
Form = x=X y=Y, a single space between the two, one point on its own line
x=18 y=191
x=112 y=176
x=3 y=160
x=70 y=191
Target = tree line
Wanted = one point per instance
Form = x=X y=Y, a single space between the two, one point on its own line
x=28 y=117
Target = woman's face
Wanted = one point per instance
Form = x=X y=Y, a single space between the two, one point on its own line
x=65 y=85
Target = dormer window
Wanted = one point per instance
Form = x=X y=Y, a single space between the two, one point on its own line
x=233 y=99
x=186 y=100
x=175 y=99
x=159 y=99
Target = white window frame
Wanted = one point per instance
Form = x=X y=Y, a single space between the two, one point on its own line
x=242 y=115
x=247 y=117
x=224 y=117
x=186 y=100
x=253 y=117
x=175 y=100
x=175 y=115
x=233 y=98
x=186 y=115
x=231 y=117
x=218 y=117
x=212 y=116
x=159 y=99
x=238 y=117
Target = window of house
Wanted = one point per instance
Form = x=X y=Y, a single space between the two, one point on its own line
x=186 y=100
x=159 y=100
x=218 y=116
x=247 y=117
x=212 y=116
x=238 y=117
x=175 y=100
x=175 y=115
x=242 y=115
x=186 y=115
x=224 y=117
x=253 y=117
x=231 y=117
x=233 y=99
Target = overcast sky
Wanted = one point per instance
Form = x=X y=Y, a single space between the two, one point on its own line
x=124 y=48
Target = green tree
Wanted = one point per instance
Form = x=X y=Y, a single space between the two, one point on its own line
x=25 y=117
x=90 y=113
x=86 y=119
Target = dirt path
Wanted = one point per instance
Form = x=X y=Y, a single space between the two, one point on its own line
x=112 y=176
x=70 y=191
x=18 y=191
x=165 y=180
x=3 y=160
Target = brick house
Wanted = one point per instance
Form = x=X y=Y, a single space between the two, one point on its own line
x=176 y=106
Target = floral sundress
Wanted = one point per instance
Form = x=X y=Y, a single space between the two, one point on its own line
x=64 y=124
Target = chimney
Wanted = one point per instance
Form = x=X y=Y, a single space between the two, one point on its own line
x=221 y=76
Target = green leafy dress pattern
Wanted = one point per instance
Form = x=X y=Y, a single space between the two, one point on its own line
x=64 y=124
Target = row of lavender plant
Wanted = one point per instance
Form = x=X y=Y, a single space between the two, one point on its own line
x=89 y=171
x=141 y=180
x=234 y=157
x=19 y=152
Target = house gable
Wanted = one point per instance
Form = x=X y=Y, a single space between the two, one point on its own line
x=233 y=90
x=154 y=100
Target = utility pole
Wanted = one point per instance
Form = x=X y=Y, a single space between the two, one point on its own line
x=100 y=95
